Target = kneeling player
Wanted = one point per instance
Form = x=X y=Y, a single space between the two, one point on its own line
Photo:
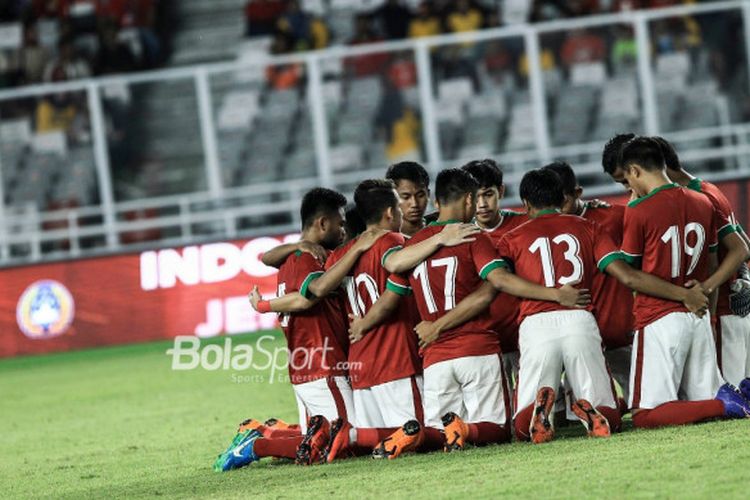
x=674 y=355
x=465 y=389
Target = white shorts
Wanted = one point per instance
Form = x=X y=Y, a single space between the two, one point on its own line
x=674 y=358
x=390 y=404
x=553 y=341
x=734 y=335
x=618 y=362
x=330 y=397
x=472 y=387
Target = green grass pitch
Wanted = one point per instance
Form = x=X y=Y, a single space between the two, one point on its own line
x=118 y=422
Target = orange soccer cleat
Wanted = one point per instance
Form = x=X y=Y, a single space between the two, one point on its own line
x=596 y=424
x=542 y=428
x=277 y=424
x=403 y=440
x=456 y=432
x=251 y=425
x=338 y=446
x=310 y=450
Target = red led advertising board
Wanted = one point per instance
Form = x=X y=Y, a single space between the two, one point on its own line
x=195 y=290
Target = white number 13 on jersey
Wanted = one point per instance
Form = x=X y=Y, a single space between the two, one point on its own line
x=572 y=255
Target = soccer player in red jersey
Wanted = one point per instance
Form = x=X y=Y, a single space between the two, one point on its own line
x=669 y=230
x=464 y=384
x=375 y=369
x=613 y=301
x=413 y=187
x=732 y=330
x=495 y=222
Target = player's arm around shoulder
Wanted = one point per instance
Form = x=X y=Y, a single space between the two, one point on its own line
x=383 y=309
x=331 y=279
x=470 y=307
x=407 y=258
x=289 y=303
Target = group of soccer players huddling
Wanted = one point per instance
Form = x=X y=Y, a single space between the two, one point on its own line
x=411 y=336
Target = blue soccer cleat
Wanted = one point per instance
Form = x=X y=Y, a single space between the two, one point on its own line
x=240 y=453
x=745 y=388
x=735 y=405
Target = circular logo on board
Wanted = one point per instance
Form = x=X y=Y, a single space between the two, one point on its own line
x=45 y=310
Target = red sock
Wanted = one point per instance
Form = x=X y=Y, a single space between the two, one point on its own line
x=278 y=447
x=678 y=413
x=613 y=417
x=523 y=422
x=282 y=433
x=487 y=432
x=370 y=438
x=432 y=440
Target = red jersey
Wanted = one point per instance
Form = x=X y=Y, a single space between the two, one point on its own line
x=613 y=301
x=555 y=249
x=389 y=351
x=444 y=280
x=727 y=226
x=670 y=231
x=317 y=338
x=504 y=309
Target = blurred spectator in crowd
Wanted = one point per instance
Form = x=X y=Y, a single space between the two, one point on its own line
x=303 y=30
x=425 y=23
x=465 y=17
x=624 y=47
x=67 y=65
x=139 y=16
x=114 y=56
x=392 y=19
x=261 y=16
x=547 y=58
x=402 y=72
x=34 y=57
x=295 y=24
x=366 y=64
x=582 y=47
x=283 y=76
x=397 y=124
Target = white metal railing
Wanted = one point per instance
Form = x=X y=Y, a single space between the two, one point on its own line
x=222 y=206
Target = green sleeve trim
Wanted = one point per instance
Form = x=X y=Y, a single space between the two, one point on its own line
x=713 y=248
x=633 y=260
x=605 y=261
x=303 y=290
x=397 y=289
x=727 y=230
x=389 y=252
x=491 y=266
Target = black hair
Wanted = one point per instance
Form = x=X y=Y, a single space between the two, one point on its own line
x=644 y=151
x=453 y=183
x=320 y=201
x=354 y=223
x=373 y=197
x=542 y=188
x=487 y=172
x=565 y=172
x=671 y=160
x=611 y=152
x=409 y=171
